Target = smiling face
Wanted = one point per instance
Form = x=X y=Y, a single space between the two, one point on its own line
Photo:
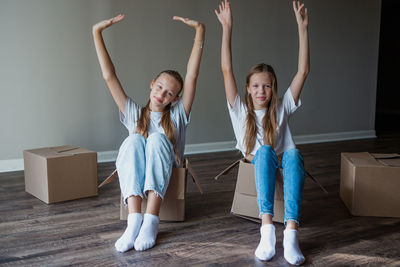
x=164 y=90
x=260 y=89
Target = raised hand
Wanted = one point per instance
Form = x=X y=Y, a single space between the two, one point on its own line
x=193 y=65
x=301 y=13
x=107 y=67
x=304 y=51
x=100 y=26
x=192 y=23
x=225 y=14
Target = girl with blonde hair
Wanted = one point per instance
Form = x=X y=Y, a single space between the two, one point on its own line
x=156 y=136
x=262 y=133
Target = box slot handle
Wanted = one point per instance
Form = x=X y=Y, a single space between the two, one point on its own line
x=62 y=149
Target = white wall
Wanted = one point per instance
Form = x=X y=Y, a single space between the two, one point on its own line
x=52 y=92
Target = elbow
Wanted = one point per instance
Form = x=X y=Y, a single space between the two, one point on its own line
x=191 y=76
x=304 y=72
x=109 y=76
x=226 y=70
x=225 y=67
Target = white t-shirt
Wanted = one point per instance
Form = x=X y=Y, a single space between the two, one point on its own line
x=283 y=140
x=178 y=117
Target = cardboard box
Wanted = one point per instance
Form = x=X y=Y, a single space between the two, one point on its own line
x=173 y=206
x=55 y=174
x=370 y=184
x=245 y=198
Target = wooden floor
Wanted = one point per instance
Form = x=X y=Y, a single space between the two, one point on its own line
x=83 y=232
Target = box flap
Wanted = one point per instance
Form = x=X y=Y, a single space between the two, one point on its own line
x=385 y=156
x=225 y=171
x=316 y=181
x=110 y=178
x=194 y=176
x=392 y=160
x=364 y=159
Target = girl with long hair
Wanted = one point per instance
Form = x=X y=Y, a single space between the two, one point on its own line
x=156 y=136
x=262 y=132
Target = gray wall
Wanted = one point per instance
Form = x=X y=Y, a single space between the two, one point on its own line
x=52 y=92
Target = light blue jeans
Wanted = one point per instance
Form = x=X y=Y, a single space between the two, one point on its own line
x=265 y=166
x=145 y=164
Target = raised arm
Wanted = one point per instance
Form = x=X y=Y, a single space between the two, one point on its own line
x=304 y=52
x=193 y=66
x=107 y=67
x=225 y=17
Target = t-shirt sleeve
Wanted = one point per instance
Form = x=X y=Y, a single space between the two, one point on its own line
x=238 y=117
x=179 y=114
x=238 y=110
x=288 y=102
x=132 y=113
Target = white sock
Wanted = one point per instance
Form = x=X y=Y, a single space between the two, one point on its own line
x=291 y=247
x=148 y=232
x=126 y=241
x=266 y=248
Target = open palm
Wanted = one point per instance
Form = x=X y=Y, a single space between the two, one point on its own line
x=225 y=14
x=301 y=13
x=192 y=23
x=108 y=22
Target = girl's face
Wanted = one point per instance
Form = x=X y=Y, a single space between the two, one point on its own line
x=164 y=90
x=260 y=88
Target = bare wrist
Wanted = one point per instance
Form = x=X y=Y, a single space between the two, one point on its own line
x=200 y=27
x=227 y=28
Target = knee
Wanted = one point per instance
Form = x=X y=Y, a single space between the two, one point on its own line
x=266 y=151
x=293 y=154
x=157 y=138
x=158 y=141
x=293 y=164
x=136 y=138
x=131 y=143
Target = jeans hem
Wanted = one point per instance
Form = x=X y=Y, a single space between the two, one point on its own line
x=267 y=212
x=131 y=195
x=291 y=219
x=155 y=192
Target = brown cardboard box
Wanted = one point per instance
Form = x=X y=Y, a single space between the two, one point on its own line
x=370 y=184
x=173 y=206
x=245 y=198
x=55 y=174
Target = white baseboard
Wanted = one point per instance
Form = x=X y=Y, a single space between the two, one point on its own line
x=9 y=165
x=332 y=137
x=107 y=156
x=190 y=149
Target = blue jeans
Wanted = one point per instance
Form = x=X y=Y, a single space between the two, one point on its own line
x=265 y=166
x=145 y=164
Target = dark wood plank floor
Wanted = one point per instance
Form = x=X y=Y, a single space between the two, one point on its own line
x=83 y=232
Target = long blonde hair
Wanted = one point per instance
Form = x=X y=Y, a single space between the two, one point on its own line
x=168 y=126
x=269 y=121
